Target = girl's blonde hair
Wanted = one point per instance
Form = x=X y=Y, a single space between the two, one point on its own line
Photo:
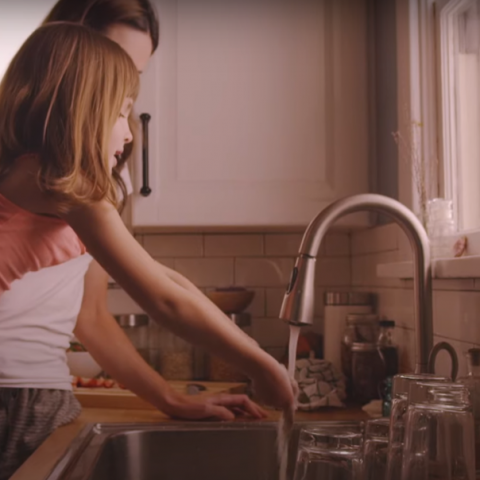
x=59 y=99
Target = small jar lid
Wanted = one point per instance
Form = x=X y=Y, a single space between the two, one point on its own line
x=386 y=323
x=364 y=347
x=132 y=320
x=348 y=298
x=473 y=355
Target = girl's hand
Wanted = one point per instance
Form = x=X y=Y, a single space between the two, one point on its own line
x=217 y=407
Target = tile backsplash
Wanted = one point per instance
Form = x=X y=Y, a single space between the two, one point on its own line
x=263 y=262
x=260 y=261
x=456 y=303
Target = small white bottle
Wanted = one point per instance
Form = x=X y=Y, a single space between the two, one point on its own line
x=337 y=306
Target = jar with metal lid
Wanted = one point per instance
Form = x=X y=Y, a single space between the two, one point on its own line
x=136 y=328
x=368 y=372
x=360 y=328
x=218 y=369
x=338 y=305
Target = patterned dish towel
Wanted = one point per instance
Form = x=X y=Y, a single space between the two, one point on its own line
x=320 y=384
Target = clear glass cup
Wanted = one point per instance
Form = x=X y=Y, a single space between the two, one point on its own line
x=472 y=382
x=400 y=390
x=375 y=449
x=330 y=453
x=439 y=433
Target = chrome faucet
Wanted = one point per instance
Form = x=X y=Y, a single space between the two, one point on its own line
x=297 y=307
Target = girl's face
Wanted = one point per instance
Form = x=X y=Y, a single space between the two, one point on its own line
x=121 y=134
x=136 y=43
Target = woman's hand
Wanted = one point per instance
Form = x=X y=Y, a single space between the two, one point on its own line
x=217 y=407
x=274 y=386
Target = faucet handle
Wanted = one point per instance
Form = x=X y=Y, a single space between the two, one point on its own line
x=453 y=358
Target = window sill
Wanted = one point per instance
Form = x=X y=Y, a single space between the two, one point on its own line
x=464 y=267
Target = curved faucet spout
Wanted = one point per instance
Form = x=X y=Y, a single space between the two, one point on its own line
x=297 y=307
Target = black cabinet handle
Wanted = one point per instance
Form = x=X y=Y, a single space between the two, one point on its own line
x=145 y=190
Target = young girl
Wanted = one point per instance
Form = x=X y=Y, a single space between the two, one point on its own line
x=65 y=100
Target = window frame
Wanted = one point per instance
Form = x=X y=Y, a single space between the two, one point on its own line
x=447 y=38
x=418 y=104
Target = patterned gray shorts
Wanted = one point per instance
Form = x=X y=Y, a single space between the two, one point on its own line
x=27 y=417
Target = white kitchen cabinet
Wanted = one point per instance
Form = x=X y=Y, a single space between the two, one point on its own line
x=259 y=112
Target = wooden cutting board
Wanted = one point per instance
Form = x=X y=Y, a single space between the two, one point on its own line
x=125 y=399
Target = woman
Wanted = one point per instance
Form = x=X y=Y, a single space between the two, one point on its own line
x=35 y=394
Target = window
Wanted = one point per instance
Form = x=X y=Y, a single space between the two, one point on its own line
x=459 y=119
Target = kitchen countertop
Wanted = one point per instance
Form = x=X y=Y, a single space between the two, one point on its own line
x=40 y=464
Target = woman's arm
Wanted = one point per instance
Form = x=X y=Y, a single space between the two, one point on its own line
x=107 y=343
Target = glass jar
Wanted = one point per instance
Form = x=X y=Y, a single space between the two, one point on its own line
x=439 y=433
x=368 y=372
x=218 y=369
x=472 y=382
x=136 y=327
x=175 y=357
x=360 y=328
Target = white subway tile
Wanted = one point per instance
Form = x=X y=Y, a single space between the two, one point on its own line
x=374 y=240
x=274 y=299
x=168 y=245
x=337 y=245
x=396 y=304
x=206 y=272
x=333 y=272
x=282 y=244
x=119 y=302
x=257 y=308
x=239 y=245
x=456 y=315
x=270 y=332
x=454 y=284
x=263 y=272
x=167 y=262
x=364 y=270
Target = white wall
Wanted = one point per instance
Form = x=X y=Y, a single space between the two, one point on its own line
x=18 y=19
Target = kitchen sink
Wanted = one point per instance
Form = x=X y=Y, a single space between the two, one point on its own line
x=176 y=451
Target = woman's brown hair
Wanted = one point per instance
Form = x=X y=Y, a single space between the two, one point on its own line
x=59 y=99
x=101 y=15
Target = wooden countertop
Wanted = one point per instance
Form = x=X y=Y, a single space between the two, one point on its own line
x=41 y=463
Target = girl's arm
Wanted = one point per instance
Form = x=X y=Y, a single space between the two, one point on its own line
x=185 y=312
x=107 y=343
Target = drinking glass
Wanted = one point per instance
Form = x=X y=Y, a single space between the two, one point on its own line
x=400 y=390
x=330 y=453
x=375 y=449
x=439 y=433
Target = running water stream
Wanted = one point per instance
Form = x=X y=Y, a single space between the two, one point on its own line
x=285 y=423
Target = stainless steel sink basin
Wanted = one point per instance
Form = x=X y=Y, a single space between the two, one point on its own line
x=176 y=451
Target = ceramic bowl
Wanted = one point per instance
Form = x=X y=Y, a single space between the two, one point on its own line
x=82 y=364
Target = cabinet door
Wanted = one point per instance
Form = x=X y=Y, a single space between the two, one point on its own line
x=259 y=112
